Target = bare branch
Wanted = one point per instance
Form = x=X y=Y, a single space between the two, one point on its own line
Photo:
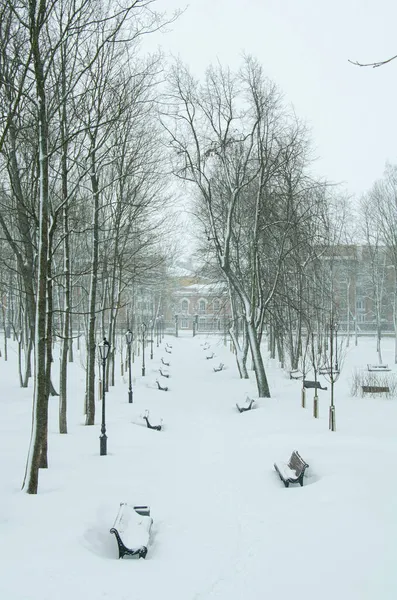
x=374 y=65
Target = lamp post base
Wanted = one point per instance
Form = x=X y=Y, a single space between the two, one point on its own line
x=103 y=444
x=332 y=422
x=303 y=398
x=315 y=407
x=130 y=396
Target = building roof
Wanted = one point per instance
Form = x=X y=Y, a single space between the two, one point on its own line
x=205 y=289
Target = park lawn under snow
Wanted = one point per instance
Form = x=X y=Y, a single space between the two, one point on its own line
x=224 y=525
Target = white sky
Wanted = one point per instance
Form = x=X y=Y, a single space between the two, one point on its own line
x=304 y=46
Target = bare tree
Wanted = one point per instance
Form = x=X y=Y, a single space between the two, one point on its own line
x=229 y=151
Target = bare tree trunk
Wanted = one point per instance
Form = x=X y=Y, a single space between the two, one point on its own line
x=40 y=401
x=90 y=391
x=66 y=325
x=241 y=354
x=260 y=374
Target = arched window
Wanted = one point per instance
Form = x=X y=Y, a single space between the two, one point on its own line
x=185 y=306
x=202 y=307
x=217 y=305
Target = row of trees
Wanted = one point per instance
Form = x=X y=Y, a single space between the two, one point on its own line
x=266 y=223
x=82 y=182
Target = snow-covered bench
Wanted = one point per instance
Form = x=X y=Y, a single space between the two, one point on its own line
x=313 y=384
x=378 y=368
x=328 y=371
x=132 y=530
x=295 y=374
x=293 y=471
x=375 y=389
x=148 y=423
x=163 y=389
x=219 y=368
x=246 y=406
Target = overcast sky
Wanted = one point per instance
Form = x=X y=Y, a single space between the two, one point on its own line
x=304 y=46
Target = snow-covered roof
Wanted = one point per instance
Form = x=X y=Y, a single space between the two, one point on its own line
x=203 y=288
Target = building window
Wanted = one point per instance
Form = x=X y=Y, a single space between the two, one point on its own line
x=202 y=324
x=184 y=324
x=185 y=306
x=202 y=307
x=217 y=305
x=360 y=304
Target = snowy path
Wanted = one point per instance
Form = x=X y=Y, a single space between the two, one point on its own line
x=224 y=526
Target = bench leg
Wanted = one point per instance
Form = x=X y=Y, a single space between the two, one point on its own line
x=286 y=483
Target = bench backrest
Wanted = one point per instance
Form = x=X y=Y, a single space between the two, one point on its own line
x=372 y=389
x=296 y=463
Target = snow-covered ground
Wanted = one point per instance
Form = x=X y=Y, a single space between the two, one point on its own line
x=224 y=527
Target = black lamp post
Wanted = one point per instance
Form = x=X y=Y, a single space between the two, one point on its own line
x=336 y=345
x=176 y=325
x=104 y=348
x=151 y=324
x=128 y=339
x=143 y=348
x=161 y=323
x=157 y=330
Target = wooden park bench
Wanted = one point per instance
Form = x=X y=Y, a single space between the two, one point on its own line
x=166 y=364
x=167 y=350
x=163 y=374
x=149 y=425
x=293 y=471
x=313 y=384
x=210 y=356
x=219 y=368
x=246 y=406
x=132 y=530
x=163 y=389
x=375 y=389
x=378 y=368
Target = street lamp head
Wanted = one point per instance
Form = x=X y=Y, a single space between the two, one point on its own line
x=104 y=348
x=128 y=336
